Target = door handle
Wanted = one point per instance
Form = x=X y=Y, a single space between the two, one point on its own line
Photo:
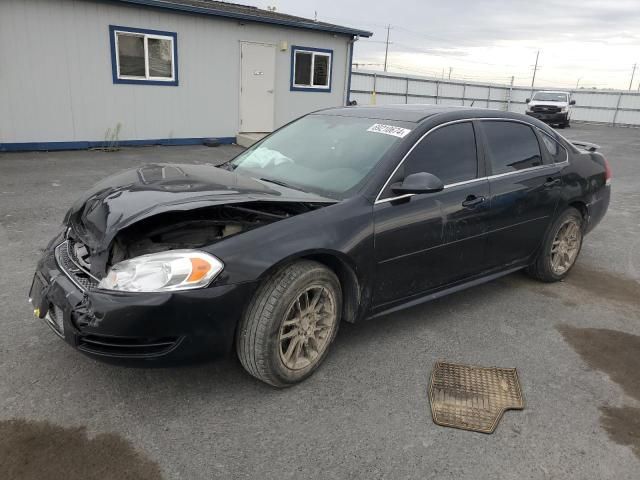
x=552 y=182
x=472 y=201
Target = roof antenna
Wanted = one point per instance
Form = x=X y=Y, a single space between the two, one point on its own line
x=315 y=15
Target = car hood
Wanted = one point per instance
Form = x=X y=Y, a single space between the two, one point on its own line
x=546 y=103
x=120 y=200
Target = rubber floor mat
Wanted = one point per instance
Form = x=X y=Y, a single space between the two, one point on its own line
x=473 y=398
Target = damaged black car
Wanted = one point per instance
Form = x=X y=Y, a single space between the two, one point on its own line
x=342 y=215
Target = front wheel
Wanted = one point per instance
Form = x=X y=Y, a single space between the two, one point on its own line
x=290 y=323
x=560 y=248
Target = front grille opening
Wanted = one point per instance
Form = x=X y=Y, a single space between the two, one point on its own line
x=546 y=109
x=72 y=269
x=127 y=346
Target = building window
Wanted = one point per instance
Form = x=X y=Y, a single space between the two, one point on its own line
x=311 y=69
x=144 y=56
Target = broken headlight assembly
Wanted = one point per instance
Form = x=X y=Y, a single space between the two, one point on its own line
x=163 y=272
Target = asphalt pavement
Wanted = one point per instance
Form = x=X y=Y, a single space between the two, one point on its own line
x=365 y=413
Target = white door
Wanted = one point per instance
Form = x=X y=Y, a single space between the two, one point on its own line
x=257 y=82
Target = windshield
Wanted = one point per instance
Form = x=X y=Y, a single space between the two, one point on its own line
x=550 y=96
x=325 y=154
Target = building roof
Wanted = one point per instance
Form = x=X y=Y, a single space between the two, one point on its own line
x=246 y=13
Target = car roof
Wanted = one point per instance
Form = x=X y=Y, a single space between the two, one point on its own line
x=416 y=113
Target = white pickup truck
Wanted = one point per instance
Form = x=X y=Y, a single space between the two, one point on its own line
x=551 y=107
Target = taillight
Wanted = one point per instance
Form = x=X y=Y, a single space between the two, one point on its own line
x=608 y=174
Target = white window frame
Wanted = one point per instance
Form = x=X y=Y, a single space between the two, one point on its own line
x=146 y=37
x=313 y=64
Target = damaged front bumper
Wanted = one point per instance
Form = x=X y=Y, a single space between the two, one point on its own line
x=133 y=325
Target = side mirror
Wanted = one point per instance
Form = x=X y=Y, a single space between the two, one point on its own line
x=527 y=100
x=572 y=102
x=418 y=183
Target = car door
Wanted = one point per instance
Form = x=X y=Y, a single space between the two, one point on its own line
x=525 y=188
x=425 y=241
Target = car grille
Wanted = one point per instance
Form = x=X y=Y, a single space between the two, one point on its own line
x=71 y=267
x=545 y=109
x=127 y=346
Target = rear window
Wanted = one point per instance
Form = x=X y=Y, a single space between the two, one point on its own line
x=511 y=146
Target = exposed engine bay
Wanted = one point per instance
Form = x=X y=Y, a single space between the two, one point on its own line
x=195 y=228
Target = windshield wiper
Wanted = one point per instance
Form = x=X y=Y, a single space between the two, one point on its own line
x=227 y=166
x=282 y=184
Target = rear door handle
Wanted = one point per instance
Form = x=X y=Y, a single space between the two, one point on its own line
x=552 y=182
x=472 y=201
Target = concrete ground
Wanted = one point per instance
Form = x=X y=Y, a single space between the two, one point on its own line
x=365 y=413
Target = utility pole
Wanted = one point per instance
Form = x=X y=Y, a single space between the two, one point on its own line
x=535 y=69
x=450 y=69
x=633 y=72
x=386 y=48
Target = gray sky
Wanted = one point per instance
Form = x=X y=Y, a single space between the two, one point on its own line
x=596 y=42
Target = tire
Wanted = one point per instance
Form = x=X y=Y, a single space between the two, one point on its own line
x=268 y=336
x=544 y=267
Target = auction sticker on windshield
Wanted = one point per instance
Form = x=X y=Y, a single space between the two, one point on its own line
x=389 y=130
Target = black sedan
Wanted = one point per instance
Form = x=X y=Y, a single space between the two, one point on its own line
x=344 y=214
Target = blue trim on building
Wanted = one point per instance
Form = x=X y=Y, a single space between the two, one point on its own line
x=307 y=24
x=293 y=88
x=114 y=65
x=51 y=146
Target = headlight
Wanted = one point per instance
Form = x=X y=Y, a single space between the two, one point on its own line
x=163 y=272
x=563 y=109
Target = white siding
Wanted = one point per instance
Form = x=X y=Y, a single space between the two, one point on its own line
x=59 y=86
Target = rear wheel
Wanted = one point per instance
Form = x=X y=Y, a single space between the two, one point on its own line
x=560 y=248
x=290 y=323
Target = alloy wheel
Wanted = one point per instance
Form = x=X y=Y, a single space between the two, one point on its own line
x=565 y=246
x=307 y=327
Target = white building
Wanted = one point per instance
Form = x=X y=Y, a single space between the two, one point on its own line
x=83 y=73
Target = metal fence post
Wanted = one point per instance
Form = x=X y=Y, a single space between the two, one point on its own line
x=464 y=92
x=489 y=96
x=406 y=92
x=373 y=94
x=437 y=90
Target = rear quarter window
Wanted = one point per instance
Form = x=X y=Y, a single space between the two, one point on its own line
x=557 y=152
